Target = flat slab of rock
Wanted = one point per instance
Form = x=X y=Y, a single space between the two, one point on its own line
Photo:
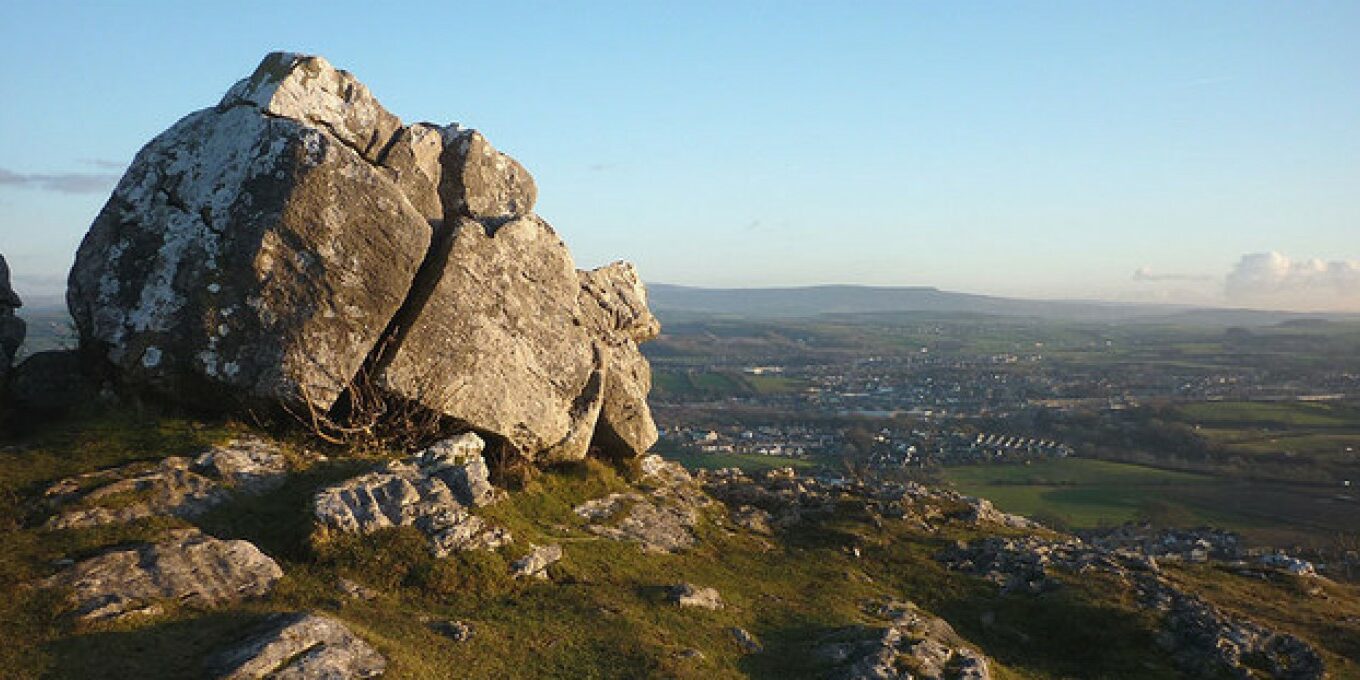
x=188 y=568
x=176 y=486
x=299 y=647
x=690 y=595
x=660 y=521
x=431 y=491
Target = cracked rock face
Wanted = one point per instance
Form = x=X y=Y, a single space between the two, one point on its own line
x=661 y=520
x=430 y=491
x=174 y=486
x=188 y=568
x=299 y=647
x=914 y=644
x=298 y=238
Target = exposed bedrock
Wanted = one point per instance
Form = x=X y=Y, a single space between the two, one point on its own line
x=298 y=239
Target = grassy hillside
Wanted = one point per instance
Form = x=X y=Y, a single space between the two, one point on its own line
x=603 y=613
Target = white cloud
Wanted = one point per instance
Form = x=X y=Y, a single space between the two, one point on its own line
x=1275 y=281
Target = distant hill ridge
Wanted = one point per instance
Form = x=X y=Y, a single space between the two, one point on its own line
x=803 y=301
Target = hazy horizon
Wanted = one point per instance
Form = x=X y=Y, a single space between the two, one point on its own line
x=1199 y=154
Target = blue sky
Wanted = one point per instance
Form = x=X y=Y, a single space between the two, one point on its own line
x=1019 y=148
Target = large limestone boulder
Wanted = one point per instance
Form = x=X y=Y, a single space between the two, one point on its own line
x=497 y=346
x=252 y=246
x=298 y=241
x=12 y=328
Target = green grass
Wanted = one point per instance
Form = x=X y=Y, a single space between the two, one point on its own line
x=602 y=615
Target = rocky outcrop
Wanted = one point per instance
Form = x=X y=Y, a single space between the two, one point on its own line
x=176 y=485
x=431 y=491
x=299 y=647
x=187 y=568
x=913 y=645
x=298 y=242
x=660 y=520
x=12 y=328
x=536 y=563
x=690 y=595
x=1202 y=639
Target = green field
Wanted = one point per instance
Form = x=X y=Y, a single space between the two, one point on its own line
x=1277 y=414
x=1083 y=493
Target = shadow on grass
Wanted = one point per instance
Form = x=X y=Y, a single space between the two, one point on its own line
x=279 y=521
x=174 y=649
x=1059 y=634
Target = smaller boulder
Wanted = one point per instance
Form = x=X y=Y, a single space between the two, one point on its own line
x=301 y=647
x=458 y=631
x=689 y=595
x=430 y=491
x=188 y=568
x=482 y=183
x=536 y=563
x=746 y=642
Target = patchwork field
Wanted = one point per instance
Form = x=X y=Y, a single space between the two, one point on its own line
x=1087 y=493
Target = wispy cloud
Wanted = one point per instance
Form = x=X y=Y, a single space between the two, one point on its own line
x=62 y=182
x=103 y=164
x=1148 y=275
x=1278 y=281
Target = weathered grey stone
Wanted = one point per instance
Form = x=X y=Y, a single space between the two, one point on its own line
x=458 y=462
x=297 y=240
x=422 y=491
x=499 y=347
x=254 y=246
x=413 y=161
x=299 y=647
x=187 y=568
x=625 y=428
x=614 y=301
x=309 y=90
x=690 y=595
x=662 y=520
x=482 y=183
x=174 y=486
x=914 y=645
x=536 y=563
x=247 y=464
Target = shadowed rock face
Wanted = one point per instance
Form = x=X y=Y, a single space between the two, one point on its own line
x=12 y=328
x=298 y=238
